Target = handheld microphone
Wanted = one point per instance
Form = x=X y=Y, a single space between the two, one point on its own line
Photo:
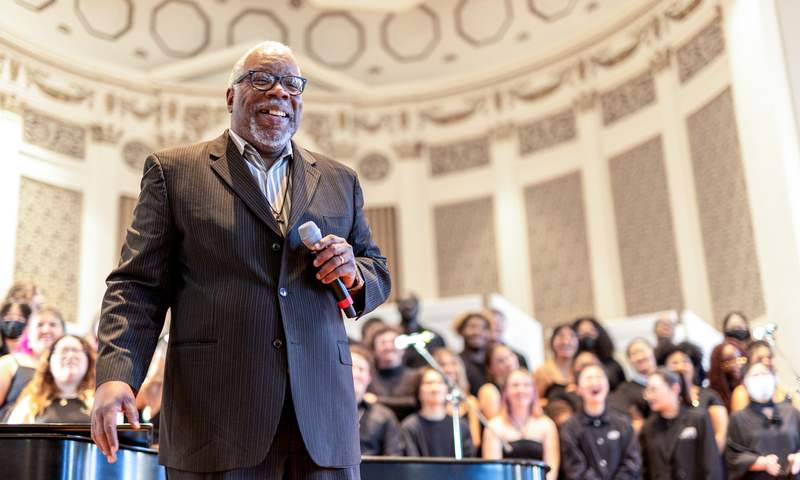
x=404 y=341
x=310 y=234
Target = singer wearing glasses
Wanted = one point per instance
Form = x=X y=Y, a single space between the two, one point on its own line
x=258 y=380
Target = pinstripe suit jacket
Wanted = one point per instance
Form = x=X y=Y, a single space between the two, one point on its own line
x=204 y=243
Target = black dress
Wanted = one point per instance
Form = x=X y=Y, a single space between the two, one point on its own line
x=70 y=410
x=525 y=449
x=22 y=377
x=751 y=434
x=682 y=448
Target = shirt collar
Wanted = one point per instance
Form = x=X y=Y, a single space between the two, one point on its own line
x=243 y=146
x=589 y=420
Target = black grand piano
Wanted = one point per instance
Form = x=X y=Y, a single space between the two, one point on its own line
x=66 y=452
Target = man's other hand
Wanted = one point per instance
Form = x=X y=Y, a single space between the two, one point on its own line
x=110 y=399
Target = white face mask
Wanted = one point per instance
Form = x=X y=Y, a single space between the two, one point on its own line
x=760 y=387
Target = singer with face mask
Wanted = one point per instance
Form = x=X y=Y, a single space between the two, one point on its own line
x=595 y=339
x=736 y=326
x=764 y=438
x=761 y=351
x=15 y=316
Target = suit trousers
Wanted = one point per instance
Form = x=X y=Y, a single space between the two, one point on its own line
x=287 y=459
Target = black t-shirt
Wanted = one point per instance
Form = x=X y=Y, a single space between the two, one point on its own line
x=434 y=438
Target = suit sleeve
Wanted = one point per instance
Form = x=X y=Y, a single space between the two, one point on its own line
x=139 y=289
x=369 y=261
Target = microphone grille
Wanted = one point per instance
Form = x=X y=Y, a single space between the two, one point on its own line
x=309 y=234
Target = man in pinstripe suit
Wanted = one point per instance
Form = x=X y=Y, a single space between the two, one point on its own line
x=258 y=380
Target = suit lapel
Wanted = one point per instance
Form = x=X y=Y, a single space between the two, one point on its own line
x=305 y=178
x=231 y=167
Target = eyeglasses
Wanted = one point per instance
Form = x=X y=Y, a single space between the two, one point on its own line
x=729 y=364
x=66 y=352
x=265 y=81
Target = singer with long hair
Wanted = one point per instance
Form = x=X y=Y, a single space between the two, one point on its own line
x=531 y=434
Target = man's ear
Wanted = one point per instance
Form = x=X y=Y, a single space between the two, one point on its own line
x=229 y=99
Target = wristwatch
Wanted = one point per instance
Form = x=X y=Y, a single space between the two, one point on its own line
x=358 y=284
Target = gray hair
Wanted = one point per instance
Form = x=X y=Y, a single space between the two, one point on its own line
x=267 y=48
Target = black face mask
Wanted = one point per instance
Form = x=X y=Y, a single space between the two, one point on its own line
x=587 y=344
x=13 y=329
x=740 y=335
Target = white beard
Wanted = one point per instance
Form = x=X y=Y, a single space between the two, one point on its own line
x=271 y=139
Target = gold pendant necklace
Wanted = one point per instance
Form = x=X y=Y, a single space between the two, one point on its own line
x=63 y=402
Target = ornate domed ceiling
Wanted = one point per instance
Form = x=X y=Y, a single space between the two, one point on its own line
x=341 y=45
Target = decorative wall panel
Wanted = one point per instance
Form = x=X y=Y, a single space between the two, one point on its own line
x=646 y=238
x=628 y=98
x=460 y=156
x=49 y=242
x=559 y=250
x=47 y=132
x=383 y=223
x=547 y=132
x=722 y=198
x=466 y=248
x=701 y=50
x=135 y=153
x=374 y=167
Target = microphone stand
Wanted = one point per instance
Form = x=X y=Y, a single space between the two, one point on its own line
x=456 y=396
x=769 y=338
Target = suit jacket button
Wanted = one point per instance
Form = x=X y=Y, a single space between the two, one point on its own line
x=277 y=343
x=276 y=247
x=283 y=292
